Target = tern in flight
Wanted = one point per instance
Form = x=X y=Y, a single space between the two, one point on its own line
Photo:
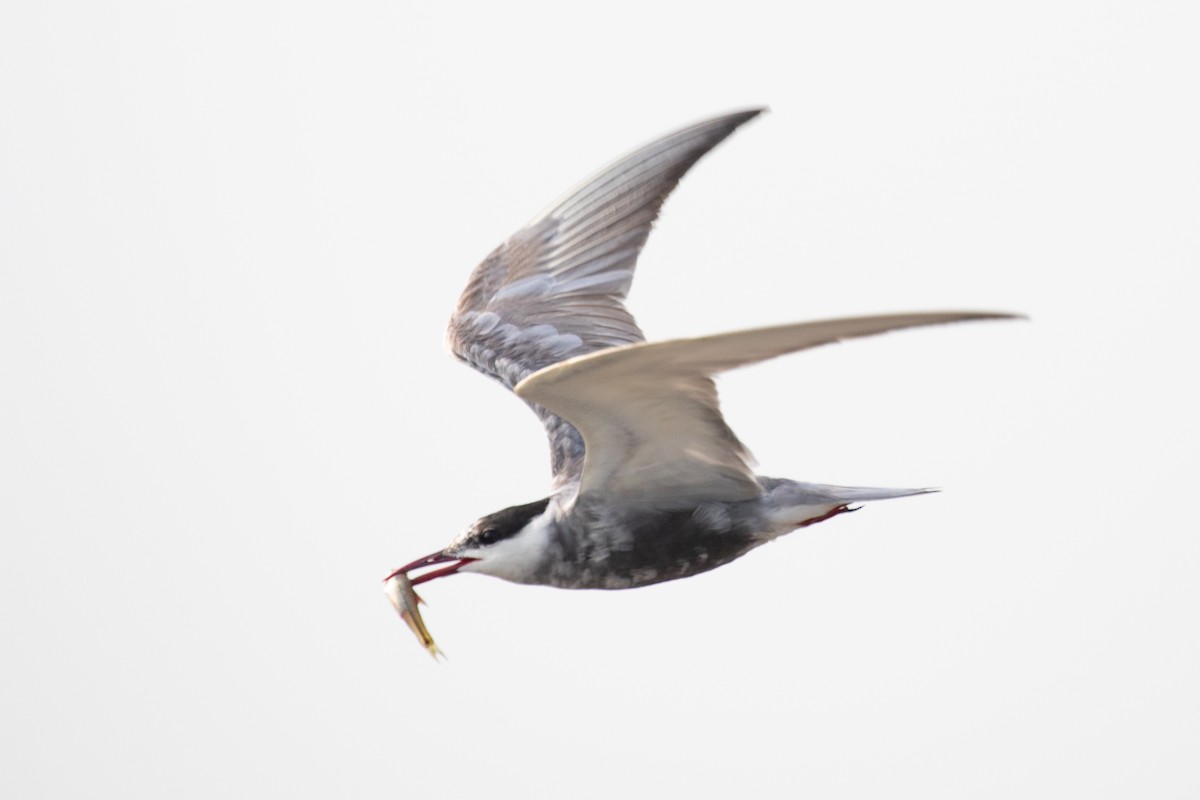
x=649 y=483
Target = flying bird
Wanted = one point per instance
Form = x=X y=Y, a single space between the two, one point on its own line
x=649 y=483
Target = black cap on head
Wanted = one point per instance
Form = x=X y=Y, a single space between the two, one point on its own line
x=503 y=524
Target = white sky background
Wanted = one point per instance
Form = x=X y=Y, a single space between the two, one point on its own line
x=231 y=235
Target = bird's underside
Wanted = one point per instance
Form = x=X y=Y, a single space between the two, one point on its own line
x=648 y=481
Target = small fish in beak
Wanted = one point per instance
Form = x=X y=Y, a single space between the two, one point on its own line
x=399 y=590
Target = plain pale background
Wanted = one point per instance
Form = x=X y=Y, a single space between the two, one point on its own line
x=231 y=235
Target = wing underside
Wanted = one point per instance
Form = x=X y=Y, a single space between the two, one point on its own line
x=649 y=415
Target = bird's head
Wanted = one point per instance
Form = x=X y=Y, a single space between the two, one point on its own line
x=508 y=544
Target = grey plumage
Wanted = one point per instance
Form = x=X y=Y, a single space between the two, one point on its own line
x=555 y=289
x=649 y=483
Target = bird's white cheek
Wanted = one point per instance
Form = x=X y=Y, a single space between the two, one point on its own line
x=517 y=558
x=513 y=563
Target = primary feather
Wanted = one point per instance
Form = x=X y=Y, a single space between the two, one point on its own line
x=556 y=288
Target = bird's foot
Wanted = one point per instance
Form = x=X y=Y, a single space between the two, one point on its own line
x=830 y=514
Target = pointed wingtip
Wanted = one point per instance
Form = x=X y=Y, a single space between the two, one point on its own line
x=744 y=115
x=750 y=112
x=725 y=123
x=984 y=316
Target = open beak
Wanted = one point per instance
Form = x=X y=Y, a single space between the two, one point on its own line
x=440 y=557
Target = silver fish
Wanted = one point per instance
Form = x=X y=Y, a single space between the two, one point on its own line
x=399 y=590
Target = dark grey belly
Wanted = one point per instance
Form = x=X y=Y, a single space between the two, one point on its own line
x=664 y=547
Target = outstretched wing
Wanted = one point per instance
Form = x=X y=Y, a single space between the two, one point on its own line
x=555 y=289
x=649 y=415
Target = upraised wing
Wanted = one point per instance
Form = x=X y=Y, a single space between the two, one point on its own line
x=556 y=288
x=649 y=416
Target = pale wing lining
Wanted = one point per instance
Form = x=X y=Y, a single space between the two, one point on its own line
x=648 y=412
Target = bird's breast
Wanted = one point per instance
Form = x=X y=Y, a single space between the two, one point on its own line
x=641 y=550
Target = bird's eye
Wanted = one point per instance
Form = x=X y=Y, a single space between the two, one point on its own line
x=489 y=536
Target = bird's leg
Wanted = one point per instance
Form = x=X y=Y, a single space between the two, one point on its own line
x=830 y=514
